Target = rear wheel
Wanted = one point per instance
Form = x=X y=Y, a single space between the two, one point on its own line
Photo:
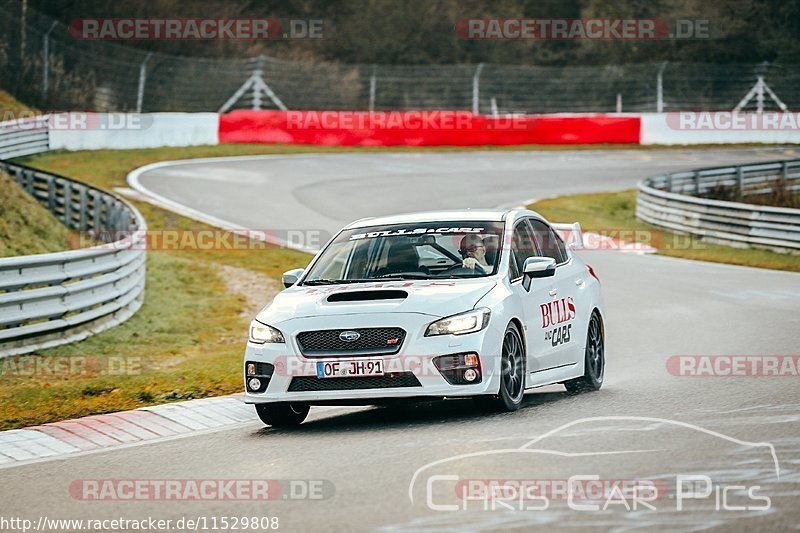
x=282 y=414
x=512 y=374
x=595 y=362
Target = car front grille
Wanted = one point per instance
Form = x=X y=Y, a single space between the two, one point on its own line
x=388 y=381
x=371 y=341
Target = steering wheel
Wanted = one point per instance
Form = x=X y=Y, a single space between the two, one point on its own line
x=461 y=269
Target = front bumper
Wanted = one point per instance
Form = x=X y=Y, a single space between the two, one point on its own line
x=413 y=364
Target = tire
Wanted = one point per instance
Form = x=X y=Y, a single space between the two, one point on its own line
x=512 y=379
x=280 y=415
x=594 y=362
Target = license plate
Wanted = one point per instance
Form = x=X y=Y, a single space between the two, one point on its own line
x=349 y=369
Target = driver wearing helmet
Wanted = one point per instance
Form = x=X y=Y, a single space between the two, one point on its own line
x=473 y=252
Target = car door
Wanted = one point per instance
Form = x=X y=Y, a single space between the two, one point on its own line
x=564 y=320
x=541 y=355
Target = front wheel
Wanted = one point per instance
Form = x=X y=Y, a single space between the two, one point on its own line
x=512 y=374
x=595 y=362
x=280 y=415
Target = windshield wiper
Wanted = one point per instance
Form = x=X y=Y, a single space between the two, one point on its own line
x=399 y=277
x=338 y=281
x=385 y=277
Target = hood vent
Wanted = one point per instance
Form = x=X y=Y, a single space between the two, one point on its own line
x=367 y=296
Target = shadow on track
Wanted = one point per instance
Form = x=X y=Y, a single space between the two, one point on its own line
x=409 y=416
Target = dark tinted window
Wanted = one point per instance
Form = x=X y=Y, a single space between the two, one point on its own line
x=549 y=243
x=522 y=247
x=416 y=249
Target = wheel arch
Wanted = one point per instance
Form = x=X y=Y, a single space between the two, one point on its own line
x=599 y=313
x=517 y=322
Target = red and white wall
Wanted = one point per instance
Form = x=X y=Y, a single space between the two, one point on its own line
x=413 y=128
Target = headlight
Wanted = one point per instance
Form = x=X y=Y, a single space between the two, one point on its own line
x=261 y=333
x=468 y=322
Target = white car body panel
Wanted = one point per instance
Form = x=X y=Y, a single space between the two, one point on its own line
x=301 y=308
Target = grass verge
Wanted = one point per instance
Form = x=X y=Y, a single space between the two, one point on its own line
x=25 y=226
x=614 y=214
x=185 y=342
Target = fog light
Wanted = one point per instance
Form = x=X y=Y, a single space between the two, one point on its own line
x=470 y=374
x=471 y=359
x=251 y=369
x=254 y=384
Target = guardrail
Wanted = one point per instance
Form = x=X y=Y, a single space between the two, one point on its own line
x=682 y=202
x=56 y=298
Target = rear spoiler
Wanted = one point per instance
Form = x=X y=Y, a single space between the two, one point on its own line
x=571 y=234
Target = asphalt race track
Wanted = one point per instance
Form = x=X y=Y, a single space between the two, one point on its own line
x=644 y=424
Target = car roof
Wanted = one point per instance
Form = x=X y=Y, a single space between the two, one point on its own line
x=483 y=215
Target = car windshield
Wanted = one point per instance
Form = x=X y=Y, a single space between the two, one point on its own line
x=428 y=250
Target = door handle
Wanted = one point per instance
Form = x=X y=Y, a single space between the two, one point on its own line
x=553 y=292
x=579 y=282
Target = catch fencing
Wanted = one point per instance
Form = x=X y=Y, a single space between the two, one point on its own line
x=51 y=69
x=698 y=202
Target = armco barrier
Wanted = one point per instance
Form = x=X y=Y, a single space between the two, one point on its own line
x=424 y=128
x=56 y=298
x=675 y=201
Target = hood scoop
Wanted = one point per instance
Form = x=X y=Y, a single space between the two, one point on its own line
x=367 y=296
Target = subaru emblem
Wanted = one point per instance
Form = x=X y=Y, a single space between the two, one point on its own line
x=349 y=336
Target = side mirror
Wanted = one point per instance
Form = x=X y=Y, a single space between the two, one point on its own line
x=537 y=267
x=290 y=277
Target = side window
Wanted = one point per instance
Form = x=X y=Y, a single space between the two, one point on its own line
x=522 y=247
x=550 y=244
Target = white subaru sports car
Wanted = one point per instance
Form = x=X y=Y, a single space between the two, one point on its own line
x=476 y=303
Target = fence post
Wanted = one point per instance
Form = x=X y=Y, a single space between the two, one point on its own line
x=697 y=183
x=258 y=73
x=660 y=88
x=740 y=180
x=84 y=207
x=46 y=59
x=619 y=102
x=142 y=78
x=476 y=89
x=372 y=87
x=51 y=194
x=760 y=95
x=68 y=204
x=96 y=208
x=29 y=177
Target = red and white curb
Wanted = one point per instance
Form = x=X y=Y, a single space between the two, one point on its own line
x=108 y=431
